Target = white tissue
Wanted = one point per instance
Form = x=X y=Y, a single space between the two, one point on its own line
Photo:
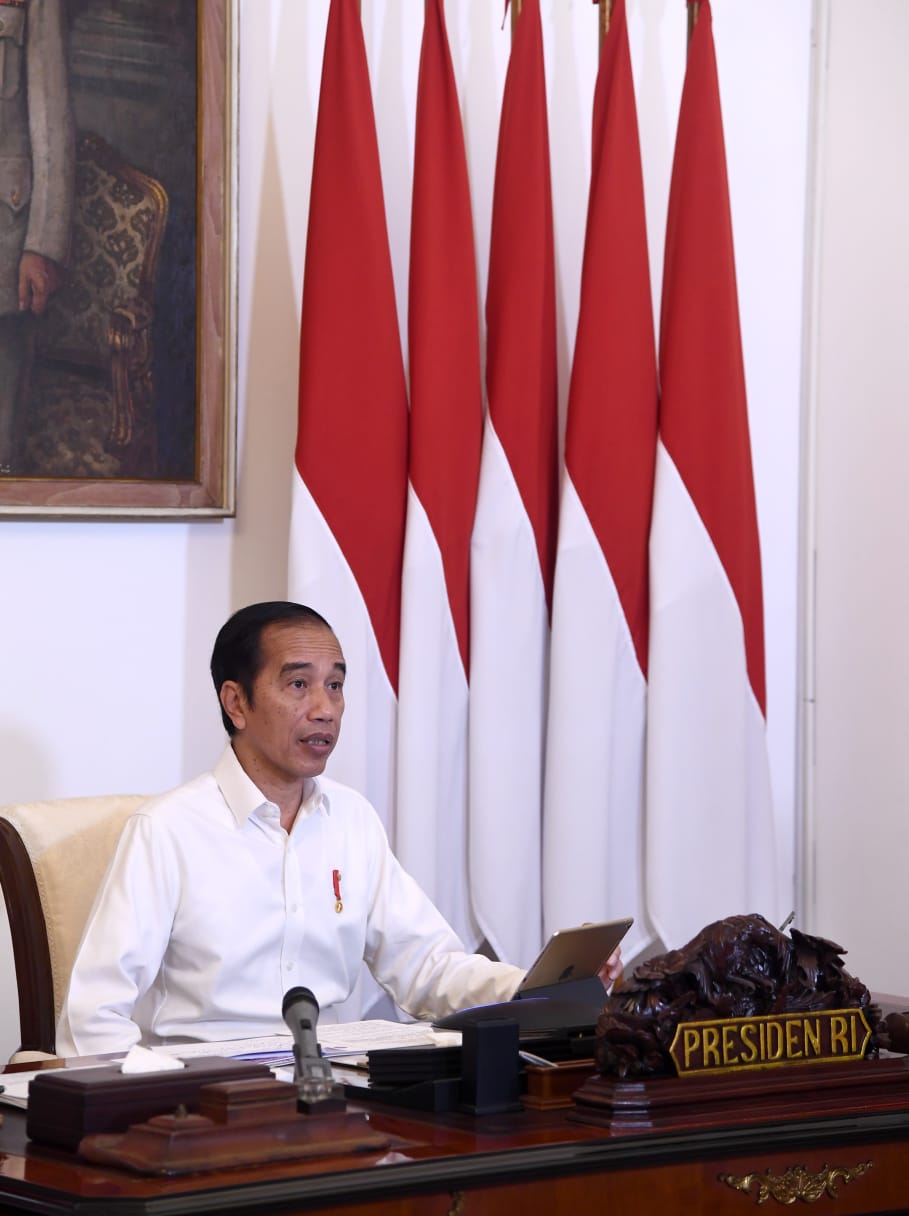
x=140 y=1059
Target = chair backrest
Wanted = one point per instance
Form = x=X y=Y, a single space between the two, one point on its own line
x=89 y=404
x=53 y=856
x=118 y=225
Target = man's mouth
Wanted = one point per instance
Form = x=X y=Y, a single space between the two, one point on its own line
x=318 y=740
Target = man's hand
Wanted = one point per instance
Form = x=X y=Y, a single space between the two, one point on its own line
x=39 y=278
x=612 y=969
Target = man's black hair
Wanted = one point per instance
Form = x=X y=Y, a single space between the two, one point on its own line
x=237 y=653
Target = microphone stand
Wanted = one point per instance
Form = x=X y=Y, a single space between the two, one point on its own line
x=317 y=1090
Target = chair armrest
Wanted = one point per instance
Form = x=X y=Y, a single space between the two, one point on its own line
x=31 y=1057
x=127 y=335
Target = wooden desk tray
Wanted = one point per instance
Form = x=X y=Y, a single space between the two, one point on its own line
x=769 y=1095
x=64 y=1105
x=239 y=1123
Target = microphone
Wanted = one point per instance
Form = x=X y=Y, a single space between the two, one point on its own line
x=312 y=1073
x=300 y=1011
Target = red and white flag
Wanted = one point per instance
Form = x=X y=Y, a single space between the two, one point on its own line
x=446 y=426
x=710 y=838
x=513 y=545
x=349 y=496
x=593 y=825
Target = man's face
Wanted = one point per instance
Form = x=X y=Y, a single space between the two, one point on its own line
x=290 y=727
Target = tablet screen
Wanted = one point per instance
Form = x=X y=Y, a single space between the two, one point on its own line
x=575 y=954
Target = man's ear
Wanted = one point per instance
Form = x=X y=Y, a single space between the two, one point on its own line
x=233 y=701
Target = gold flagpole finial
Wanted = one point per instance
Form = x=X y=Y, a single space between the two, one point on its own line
x=515 y=13
x=605 y=18
x=693 y=6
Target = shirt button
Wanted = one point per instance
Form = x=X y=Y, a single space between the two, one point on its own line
x=288 y=966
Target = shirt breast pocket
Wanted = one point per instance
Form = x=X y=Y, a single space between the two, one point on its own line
x=12 y=42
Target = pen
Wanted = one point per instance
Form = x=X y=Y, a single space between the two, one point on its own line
x=529 y=1058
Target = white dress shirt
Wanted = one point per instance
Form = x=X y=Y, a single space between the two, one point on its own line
x=211 y=911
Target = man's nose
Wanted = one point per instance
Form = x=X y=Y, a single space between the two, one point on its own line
x=321 y=705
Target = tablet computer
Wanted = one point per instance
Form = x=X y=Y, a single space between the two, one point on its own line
x=574 y=954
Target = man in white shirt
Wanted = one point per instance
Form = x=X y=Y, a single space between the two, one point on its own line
x=262 y=875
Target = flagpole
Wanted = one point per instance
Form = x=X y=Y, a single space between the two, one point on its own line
x=515 y=13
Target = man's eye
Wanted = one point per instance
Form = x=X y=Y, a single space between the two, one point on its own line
x=298 y=684
x=336 y=685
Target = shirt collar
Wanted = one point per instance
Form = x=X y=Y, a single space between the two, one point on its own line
x=244 y=797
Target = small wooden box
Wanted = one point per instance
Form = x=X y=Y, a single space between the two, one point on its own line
x=551 y=1088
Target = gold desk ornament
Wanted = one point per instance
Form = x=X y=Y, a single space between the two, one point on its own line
x=797 y=1183
x=457 y=1204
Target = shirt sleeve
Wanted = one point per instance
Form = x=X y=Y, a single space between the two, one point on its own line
x=123 y=944
x=416 y=956
x=51 y=133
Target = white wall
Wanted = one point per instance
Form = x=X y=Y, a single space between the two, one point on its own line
x=108 y=626
x=857 y=686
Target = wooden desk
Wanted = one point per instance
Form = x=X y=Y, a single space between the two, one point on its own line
x=526 y=1162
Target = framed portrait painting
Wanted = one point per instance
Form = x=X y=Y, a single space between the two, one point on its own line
x=117 y=257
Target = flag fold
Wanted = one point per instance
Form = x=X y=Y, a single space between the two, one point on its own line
x=710 y=834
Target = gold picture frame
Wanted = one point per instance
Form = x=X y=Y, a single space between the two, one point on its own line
x=162 y=438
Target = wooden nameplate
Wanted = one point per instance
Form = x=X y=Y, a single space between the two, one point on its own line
x=796 y=1091
x=238 y=1123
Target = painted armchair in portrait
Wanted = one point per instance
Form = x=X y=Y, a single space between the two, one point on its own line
x=91 y=388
